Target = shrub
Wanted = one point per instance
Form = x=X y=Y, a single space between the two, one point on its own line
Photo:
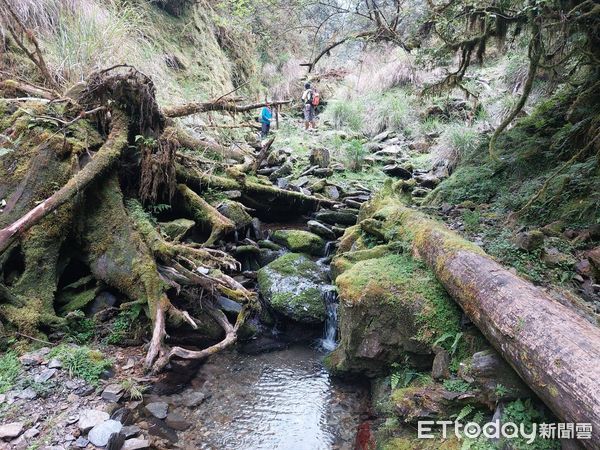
x=123 y=325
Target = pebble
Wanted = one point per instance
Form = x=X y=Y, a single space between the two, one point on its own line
x=81 y=442
x=101 y=433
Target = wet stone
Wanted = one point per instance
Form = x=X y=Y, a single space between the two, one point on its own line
x=177 y=422
x=115 y=441
x=159 y=429
x=193 y=399
x=131 y=431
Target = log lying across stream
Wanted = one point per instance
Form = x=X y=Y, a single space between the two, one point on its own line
x=554 y=350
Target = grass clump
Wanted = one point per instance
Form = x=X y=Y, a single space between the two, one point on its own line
x=10 y=368
x=82 y=362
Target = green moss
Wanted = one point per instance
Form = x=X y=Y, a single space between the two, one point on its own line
x=300 y=241
x=398 y=279
x=291 y=285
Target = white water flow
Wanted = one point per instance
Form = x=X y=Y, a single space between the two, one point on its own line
x=328 y=342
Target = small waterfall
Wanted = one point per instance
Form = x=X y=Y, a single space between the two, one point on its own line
x=329 y=251
x=328 y=342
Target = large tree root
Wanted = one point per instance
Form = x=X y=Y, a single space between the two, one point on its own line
x=205 y=215
x=164 y=355
x=106 y=157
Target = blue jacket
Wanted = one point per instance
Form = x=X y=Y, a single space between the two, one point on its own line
x=266 y=115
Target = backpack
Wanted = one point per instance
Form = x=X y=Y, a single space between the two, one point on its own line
x=315 y=100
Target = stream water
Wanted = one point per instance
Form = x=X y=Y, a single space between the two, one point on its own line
x=279 y=400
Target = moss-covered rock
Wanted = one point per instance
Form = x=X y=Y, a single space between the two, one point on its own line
x=300 y=241
x=291 y=286
x=177 y=229
x=236 y=212
x=391 y=308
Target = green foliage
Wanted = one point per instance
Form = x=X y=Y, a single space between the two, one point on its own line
x=10 y=368
x=392 y=110
x=500 y=390
x=453 y=338
x=123 y=325
x=81 y=362
x=80 y=329
x=471 y=220
x=524 y=412
x=354 y=154
x=457 y=385
x=465 y=412
x=402 y=376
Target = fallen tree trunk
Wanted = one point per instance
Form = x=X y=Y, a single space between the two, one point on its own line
x=102 y=161
x=188 y=109
x=266 y=199
x=554 y=350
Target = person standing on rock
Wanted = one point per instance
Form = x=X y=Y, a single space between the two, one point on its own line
x=310 y=99
x=266 y=116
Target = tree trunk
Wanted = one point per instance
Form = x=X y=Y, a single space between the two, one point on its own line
x=554 y=350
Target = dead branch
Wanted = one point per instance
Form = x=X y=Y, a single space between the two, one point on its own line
x=264 y=152
x=193 y=108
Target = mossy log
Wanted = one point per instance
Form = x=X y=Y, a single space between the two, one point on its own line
x=267 y=200
x=554 y=350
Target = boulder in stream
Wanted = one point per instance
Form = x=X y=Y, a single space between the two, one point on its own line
x=391 y=309
x=291 y=285
x=300 y=241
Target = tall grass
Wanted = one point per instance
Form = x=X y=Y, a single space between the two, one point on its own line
x=456 y=142
x=346 y=114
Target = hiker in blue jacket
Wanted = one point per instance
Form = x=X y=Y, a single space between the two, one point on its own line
x=266 y=116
